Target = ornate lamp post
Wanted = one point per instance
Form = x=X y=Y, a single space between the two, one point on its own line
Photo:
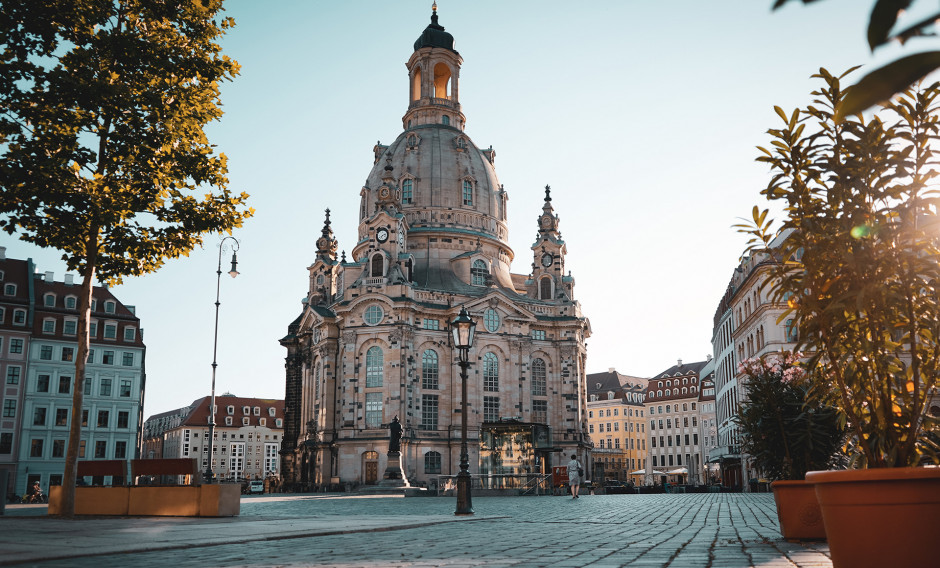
x=462 y=328
x=215 y=342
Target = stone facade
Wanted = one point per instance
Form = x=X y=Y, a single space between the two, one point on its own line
x=672 y=405
x=372 y=340
x=617 y=425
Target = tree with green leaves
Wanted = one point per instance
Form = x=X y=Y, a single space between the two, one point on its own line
x=103 y=153
x=860 y=264
x=897 y=76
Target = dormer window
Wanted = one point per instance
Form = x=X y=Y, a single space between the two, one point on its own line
x=230 y=409
x=246 y=410
x=478 y=273
x=9 y=289
x=109 y=307
x=48 y=300
x=245 y=421
x=256 y=411
x=228 y=422
x=71 y=302
x=271 y=411
x=610 y=395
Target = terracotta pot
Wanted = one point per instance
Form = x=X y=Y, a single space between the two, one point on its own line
x=798 y=510
x=880 y=517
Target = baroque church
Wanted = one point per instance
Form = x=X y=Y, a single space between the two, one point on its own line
x=373 y=341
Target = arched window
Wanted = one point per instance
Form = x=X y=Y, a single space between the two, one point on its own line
x=316 y=379
x=441 y=81
x=429 y=369
x=375 y=362
x=445 y=120
x=432 y=462
x=407 y=191
x=467 y=192
x=478 y=273
x=792 y=335
x=378 y=266
x=538 y=377
x=545 y=288
x=490 y=373
x=416 y=85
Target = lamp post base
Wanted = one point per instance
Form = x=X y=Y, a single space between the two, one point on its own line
x=464 y=504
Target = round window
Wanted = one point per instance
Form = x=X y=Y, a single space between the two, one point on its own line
x=491 y=320
x=374 y=314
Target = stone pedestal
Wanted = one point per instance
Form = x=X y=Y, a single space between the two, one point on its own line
x=394 y=475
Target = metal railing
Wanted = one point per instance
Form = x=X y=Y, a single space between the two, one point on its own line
x=525 y=483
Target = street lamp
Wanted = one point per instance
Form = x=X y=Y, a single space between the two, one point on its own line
x=462 y=328
x=215 y=343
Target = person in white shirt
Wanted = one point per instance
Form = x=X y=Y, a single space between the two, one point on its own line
x=574 y=480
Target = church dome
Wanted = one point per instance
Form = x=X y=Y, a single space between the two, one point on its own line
x=445 y=183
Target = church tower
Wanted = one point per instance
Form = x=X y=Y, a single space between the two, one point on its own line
x=372 y=339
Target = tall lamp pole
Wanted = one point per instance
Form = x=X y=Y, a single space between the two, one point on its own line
x=462 y=328
x=215 y=344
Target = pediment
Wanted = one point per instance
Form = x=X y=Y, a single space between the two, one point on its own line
x=499 y=302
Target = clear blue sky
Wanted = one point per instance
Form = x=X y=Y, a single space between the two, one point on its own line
x=642 y=115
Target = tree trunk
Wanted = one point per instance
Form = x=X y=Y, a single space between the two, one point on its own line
x=78 y=385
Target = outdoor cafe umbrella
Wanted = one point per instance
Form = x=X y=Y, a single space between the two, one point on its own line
x=680 y=471
x=638 y=472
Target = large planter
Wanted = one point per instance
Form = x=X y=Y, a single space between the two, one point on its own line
x=880 y=517
x=798 y=510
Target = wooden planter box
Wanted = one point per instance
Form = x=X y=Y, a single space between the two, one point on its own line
x=170 y=501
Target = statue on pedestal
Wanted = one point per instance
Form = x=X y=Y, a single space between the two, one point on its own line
x=394 y=436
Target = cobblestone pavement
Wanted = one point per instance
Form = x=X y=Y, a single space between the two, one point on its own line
x=676 y=531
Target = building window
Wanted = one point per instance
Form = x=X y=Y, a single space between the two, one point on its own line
x=48 y=326
x=432 y=462
x=110 y=331
x=107 y=358
x=70 y=327
x=378 y=266
x=490 y=373
x=130 y=333
x=9 y=408
x=39 y=416
x=6 y=443
x=109 y=307
x=374 y=314
x=538 y=334
x=48 y=300
x=58 y=448
x=491 y=320
x=429 y=369
x=65 y=385
x=429 y=412
x=62 y=417
x=478 y=273
x=127 y=359
x=538 y=377
x=375 y=362
x=490 y=409
x=228 y=420
x=103 y=418
x=68 y=353
x=545 y=288
x=407 y=191
x=125 y=388
x=85 y=418
x=791 y=331
x=431 y=324
x=35 y=448
x=13 y=375
x=70 y=302
x=540 y=411
x=45 y=353
x=101 y=449
x=445 y=120
x=19 y=317
x=104 y=389
x=373 y=410
x=93 y=330
x=9 y=290
x=467 y=192
x=120 y=449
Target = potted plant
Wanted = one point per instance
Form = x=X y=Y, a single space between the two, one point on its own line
x=860 y=268
x=788 y=433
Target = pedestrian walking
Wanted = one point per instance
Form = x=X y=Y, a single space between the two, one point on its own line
x=575 y=474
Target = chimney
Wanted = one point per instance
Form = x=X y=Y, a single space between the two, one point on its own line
x=68 y=279
x=50 y=276
x=680 y=362
x=611 y=370
x=3 y=253
x=708 y=357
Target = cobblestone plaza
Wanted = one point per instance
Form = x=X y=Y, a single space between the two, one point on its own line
x=677 y=531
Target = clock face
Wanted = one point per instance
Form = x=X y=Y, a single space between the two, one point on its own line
x=547 y=260
x=321 y=243
x=383 y=193
x=381 y=235
x=546 y=221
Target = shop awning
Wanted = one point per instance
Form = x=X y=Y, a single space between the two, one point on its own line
x=680 y=471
